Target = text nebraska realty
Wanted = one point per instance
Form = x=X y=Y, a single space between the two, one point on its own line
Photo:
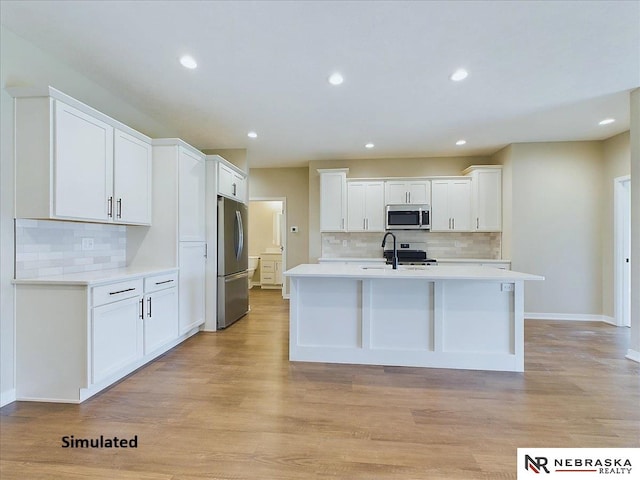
x=70 y=441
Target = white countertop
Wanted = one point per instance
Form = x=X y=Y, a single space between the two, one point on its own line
x=382 y=260
x=409 y=272
x=94 y=278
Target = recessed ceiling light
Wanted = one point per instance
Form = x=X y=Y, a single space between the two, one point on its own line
x=607 y=121
x=252 y=135
x=369 y=145
x=459 y=74
x=188 y=61
x=336 y=79
x=461 y=142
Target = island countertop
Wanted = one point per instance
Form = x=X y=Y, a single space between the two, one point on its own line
x=427 y=272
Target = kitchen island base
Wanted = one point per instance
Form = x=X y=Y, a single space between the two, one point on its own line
x=421 y=322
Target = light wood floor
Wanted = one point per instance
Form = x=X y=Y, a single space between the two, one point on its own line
x=229 y=405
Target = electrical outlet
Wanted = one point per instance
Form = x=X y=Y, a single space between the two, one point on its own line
x=507 y=287
x=87 y=243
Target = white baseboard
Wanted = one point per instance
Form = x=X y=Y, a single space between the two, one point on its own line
x=7 y=397
x=570 y=317
x=633 y=355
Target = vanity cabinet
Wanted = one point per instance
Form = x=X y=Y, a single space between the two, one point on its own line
x=74 y=337
x=365 y=212
x=74 y=163
x=486 y=197
x=231 y=182
x=333 y=199
x=270 y=270
x=407 y=192
x=451 y=205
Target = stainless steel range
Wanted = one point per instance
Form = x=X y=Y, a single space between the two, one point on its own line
x=413 y=253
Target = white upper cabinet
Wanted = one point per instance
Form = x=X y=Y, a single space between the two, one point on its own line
x=333 y=199
x=132 y=179
x=365 y=212
x=407 y=192
x=191 y=188
x=486 y=197
x=75 y=163
x=231 y=183
x=83 y=165
x=451 y=205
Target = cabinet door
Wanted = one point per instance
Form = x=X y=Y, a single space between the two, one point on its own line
x=116 y=339
x=278 y=273
x=191 y=286
x=239 y=187
x=83 y=171
x=160 y=319
x=460 y=204
x=487 y=200
x=333 y=201
x=191 y=170
x=440 y=218
x=374 y=206
x=225 y=181
x=356 y=192
x=396 y=193
x=132 y=179
x=419 y=192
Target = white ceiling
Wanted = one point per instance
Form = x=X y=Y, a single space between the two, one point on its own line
x=539 y=71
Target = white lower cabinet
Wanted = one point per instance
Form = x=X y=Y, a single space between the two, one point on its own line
x=74 y=340
x=192 y=283
x=115 y=337
x=159 y=310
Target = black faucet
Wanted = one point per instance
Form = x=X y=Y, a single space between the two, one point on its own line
x=394 y=262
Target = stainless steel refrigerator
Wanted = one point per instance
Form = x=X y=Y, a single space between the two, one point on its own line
x=233 y=262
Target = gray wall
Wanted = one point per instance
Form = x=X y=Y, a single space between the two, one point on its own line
x=291 y=183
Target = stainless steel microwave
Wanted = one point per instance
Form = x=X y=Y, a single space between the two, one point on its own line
x=408 y=217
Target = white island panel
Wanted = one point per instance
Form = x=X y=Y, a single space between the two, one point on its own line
x=478 y=317
x=401 y=314
x=441 y=317
x=332 y=313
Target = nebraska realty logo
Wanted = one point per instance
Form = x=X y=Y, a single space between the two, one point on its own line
x=582 y=463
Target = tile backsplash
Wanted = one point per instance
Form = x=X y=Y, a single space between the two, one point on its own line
x=45 y=248
x=439 y=244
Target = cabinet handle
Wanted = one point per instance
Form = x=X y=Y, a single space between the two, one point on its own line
x=110 y=207
x=142 y=309
x=122 y=291
x=163 y=282
x=409 y=197
x=453 y=222
x=477 y=223
x=119 y=208
x=234 y=189
x=364 y=223
x=406 y=197
x=149 y=306
x=449 y=223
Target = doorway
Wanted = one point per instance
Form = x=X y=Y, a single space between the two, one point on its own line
x=268 y=240
x=622 y=250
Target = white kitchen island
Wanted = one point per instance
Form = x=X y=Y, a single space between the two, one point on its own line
x=434 y=316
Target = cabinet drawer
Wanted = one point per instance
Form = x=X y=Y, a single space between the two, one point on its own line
x=267 y=266
x=116 y=291
x=160 y=282
x=267 y=278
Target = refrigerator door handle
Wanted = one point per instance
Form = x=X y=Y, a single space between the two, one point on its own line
x=240 y=245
